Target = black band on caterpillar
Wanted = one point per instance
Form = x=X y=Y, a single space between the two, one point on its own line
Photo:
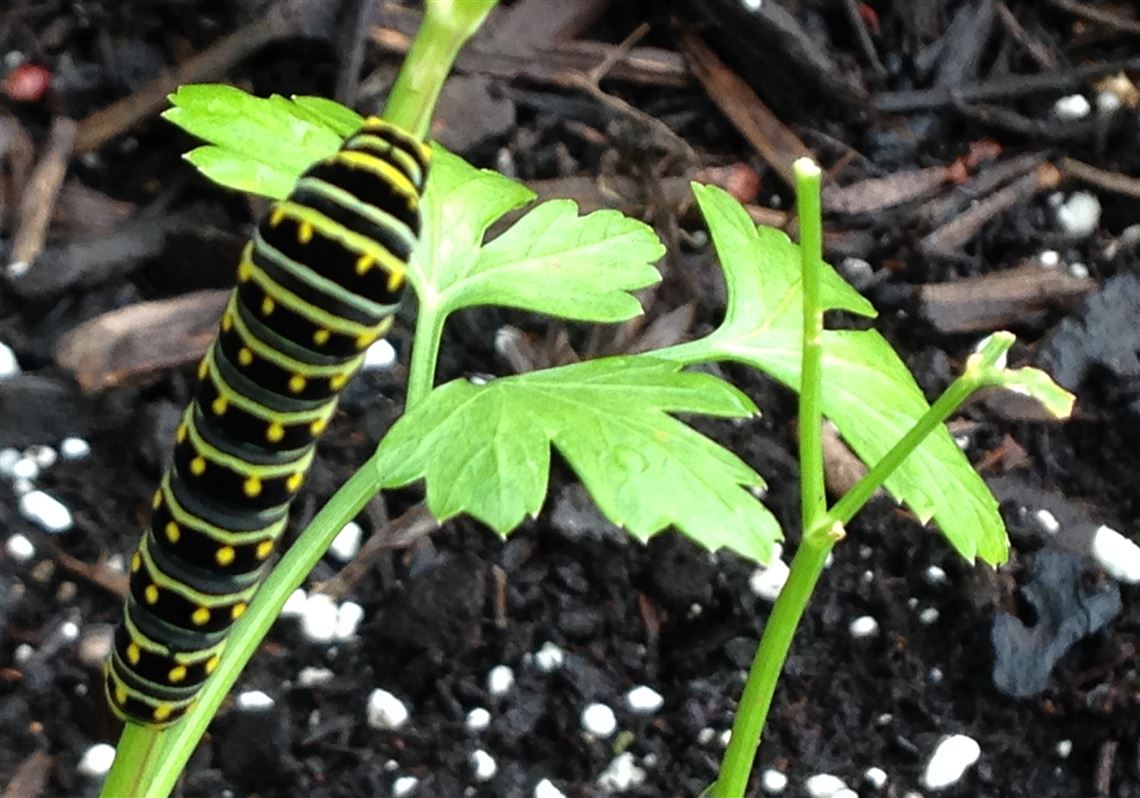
x=317 y=284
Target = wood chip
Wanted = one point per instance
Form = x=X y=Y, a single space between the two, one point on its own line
x=138 y=342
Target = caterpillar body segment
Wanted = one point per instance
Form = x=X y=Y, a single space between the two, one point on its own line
x=318 y=283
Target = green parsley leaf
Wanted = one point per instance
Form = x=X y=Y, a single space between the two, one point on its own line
x=485 y=450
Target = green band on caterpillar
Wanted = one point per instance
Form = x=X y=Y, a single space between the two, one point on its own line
x=318 y=283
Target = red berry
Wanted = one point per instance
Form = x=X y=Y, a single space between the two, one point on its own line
x=27 y=83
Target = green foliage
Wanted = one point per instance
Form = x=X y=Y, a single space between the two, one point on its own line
x=485 y=450
x=550 y=261
x=258 y=145
x=868 y=393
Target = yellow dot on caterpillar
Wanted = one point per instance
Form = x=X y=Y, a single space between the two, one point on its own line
x=203 y=369
x=180 y=436
x=156 y=499
x=267 y=306
x=136 y=562
x=364 y=340
x=245 y=271
x=198 y=466
x=395 y=280
x=252 y=487
x=200 y=616
x=219 y=405
x=245 y=357
x=293 y=484
x=321 y=337
x=277 y=216
x=134 y=653
x=227 y=322
x=162 y=712
x=304 y=232
x=337 y=381
x=120 y=695
x=318 y=426
x=177 y=674
x=275 y=432
x=212 y=664
x=364 y=263
x=297 y=383
x=237 y=610
x=151 y=594
x=225 y=555
x=264 y=549
x=173 y=533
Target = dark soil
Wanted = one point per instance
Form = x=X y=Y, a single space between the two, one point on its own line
x=441 y=614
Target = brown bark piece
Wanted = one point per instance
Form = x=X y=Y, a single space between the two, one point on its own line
x=134 y=343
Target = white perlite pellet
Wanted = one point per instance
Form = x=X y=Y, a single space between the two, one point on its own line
x=549 y=658
x=952 y=757
x=23 y=653
x=8 y=459
x=846 y=792
x=319 y=618
x=43 y=456
x=725 y=738
x=9 y=365
x=753 y=6
x=773 y=782
x=863 y=626
x=621 y=774
x=19 y=548
x=295 y=604
x=1117 y=555
x=644 y=700
x=346 y=544
x=824 y=785
x=478 y=719
x=767 y=582
x=254 y=701
x=45 y=511
x=74 y=448
x=1073 y=107
x=1064 y=748
x=1108 y=102
x=379 y=355
x=1078 y=270
x=483 y=765
x=404 y=785
x=385 y=711
x=1049 y=258
x=876 y=777
x=706 y=735
x=25 y=468
x=546 y=789
x=928 y=616
x=1079 y=215
x=934 y=575
x=96 y=761
x=348 y=618
x=314 y=677
x=599 y=720
x=500 y=680
x=1047 y=521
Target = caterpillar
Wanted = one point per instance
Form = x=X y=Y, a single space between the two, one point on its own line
x=317 y=284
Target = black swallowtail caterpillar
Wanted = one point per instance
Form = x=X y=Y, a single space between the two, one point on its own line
x=317 y=284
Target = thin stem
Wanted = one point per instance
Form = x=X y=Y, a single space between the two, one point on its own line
x=775 y=643
x=748 y=725
x=135 y=756
x=813 y=503
x=853 y=501
x=446 y=26
x=425 y=352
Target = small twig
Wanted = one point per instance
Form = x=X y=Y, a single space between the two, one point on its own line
x=1037 y=51
x=1000 y=88
x=40 y=193
x=213 y=62
x=1038 y=130
x=864 y=36
x=775 y=142
x=400 y=532
x=1101 y=178
x=665 y=134
x=1106 y=18
x=616 y=54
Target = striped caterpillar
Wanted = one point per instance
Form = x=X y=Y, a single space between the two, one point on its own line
x=317 y=284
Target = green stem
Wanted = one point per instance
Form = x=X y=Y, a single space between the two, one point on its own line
x=817 y=541
x=813 y=500
x=135 y=757
x=446 y=26
x=425 y=351
x=853 y=501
